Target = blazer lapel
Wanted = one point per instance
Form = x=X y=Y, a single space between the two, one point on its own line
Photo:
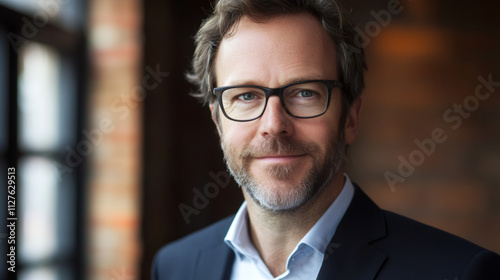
x=349 y=254
x=214 y=263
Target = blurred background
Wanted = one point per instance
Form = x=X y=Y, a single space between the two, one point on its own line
x=114 y=159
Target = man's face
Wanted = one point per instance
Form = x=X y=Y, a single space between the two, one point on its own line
x=281 y=161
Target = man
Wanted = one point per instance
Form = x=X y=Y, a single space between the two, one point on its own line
x=283 y=80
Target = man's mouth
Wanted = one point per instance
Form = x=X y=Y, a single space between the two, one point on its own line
x=277 y=159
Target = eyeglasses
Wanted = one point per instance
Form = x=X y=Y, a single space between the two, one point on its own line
x=305 y=99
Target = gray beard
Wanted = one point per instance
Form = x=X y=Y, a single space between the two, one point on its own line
x=316 y=179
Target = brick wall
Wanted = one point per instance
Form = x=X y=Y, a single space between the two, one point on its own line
x=115 y=111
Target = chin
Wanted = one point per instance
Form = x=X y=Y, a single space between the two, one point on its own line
x=279 y=196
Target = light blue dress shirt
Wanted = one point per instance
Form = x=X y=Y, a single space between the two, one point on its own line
x=305 y=260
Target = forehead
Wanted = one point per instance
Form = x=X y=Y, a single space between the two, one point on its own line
x=275 y=52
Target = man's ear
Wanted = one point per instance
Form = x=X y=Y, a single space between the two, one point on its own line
x=352 y=121
x=214 y=119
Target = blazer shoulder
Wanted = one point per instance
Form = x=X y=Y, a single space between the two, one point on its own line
x=432 y=250
x=204 y=238
x=411 y=250
x=176 y=258
x=410 y=229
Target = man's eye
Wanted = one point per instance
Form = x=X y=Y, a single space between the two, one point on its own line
x=247 y=96
x=305 y=93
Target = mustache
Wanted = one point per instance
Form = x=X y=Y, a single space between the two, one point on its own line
x=281 y=146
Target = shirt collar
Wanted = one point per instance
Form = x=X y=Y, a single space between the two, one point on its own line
x=318 y=237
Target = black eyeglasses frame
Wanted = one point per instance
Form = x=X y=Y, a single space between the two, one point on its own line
x=330 y=85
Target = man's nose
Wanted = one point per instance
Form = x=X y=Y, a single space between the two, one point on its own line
x=275 y=121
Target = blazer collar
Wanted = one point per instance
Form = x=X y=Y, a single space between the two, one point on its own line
x=349 y=254
x=216 y=262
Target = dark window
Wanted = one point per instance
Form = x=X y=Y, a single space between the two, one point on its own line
x=41 y=91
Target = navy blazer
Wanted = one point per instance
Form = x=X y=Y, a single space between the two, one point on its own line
x=369 y=243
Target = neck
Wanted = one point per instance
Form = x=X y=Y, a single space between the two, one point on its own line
x=275 y=235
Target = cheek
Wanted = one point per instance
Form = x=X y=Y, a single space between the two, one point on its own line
x=318 y=133
x=237 y=134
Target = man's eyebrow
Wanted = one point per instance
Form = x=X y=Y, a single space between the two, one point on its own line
x=288 y=81
x=306 y=78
